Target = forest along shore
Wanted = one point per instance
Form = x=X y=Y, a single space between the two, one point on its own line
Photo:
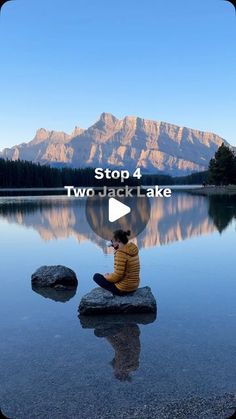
x=193 y=189
x=213 y=190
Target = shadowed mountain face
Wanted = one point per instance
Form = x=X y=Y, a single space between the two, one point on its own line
x=176 y=219
x=130 y=142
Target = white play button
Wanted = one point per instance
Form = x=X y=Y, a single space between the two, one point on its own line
x=117 y=210
x=108 y=214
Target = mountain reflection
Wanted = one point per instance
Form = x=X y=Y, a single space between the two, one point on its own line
x=181 y=217
x=122 y=332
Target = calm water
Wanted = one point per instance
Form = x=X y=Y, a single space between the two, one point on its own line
x=52 y=366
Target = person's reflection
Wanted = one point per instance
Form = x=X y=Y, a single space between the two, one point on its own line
x=122 y=332
x=127 y=347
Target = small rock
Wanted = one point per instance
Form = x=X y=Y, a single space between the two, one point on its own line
x=54 y=276
x=101 y=301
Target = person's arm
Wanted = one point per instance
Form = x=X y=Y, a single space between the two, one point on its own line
x=119 y=270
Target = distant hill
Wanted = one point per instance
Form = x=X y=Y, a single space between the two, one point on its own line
x=132 y=142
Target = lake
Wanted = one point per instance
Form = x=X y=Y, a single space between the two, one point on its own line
x=53 y=365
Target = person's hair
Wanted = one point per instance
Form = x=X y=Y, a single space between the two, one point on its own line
x=121 y=236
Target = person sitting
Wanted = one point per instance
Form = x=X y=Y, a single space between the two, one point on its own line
x=125 y=278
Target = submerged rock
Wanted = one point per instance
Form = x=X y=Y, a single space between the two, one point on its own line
x=100 y=301
x=54 y=276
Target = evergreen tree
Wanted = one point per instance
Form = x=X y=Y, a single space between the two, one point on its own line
x=222 y=167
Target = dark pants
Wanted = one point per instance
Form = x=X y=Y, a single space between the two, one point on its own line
x=104 y=283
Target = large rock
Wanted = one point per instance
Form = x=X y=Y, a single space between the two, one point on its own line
x=53 y=276
x=100 y=301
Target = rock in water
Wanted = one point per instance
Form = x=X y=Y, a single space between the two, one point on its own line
x=52 y=276
x=100 y=301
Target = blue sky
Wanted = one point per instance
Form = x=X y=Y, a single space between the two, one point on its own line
x=63 y=63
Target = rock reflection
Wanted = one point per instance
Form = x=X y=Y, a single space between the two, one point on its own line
x=122 y=332
x=57 y=294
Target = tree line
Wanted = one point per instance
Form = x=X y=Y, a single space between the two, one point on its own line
x=222 y=167
x=25 y=174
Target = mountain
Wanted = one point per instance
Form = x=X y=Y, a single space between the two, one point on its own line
x=129 y=142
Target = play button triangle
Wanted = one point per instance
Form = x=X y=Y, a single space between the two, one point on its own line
x=117 y=210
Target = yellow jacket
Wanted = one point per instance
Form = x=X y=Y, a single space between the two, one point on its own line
x=127 y=268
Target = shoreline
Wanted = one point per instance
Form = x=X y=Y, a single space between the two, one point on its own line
x=194 y=406
x=214 y=190
x=192 y=189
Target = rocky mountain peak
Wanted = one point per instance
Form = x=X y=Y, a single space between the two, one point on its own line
x=108 y=118
x=77 y=131
x=41 y=134
x=131 y=142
